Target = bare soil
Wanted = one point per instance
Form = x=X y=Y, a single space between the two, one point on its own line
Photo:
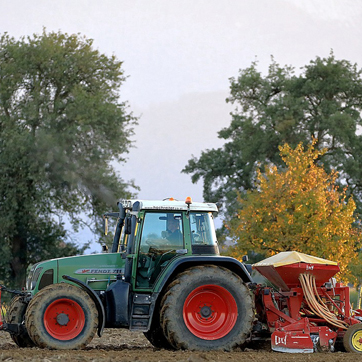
x=124 y=346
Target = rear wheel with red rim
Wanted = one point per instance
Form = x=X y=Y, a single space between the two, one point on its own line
x=210 y=312
x=207 y=308
x=61 y=316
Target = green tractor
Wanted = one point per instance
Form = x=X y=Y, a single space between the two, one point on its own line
x=164 y=276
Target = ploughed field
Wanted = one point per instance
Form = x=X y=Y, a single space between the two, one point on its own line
x=123 y=345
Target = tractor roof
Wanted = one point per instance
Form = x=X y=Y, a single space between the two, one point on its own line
x=168 y=204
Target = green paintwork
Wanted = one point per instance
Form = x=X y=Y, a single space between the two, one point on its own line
x=96 y=270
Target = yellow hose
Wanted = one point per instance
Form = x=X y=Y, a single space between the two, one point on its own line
x=315 y=302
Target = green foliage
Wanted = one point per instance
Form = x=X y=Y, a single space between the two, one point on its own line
x=324 y=102
x=61 y=127
x=353 y=297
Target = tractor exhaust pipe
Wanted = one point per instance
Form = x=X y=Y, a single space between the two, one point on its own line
x=120 y=223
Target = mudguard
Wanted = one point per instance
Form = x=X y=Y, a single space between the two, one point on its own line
x=183 y=263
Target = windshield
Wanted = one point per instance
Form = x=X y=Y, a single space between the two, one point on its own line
x=162 y=230
x=202 y=229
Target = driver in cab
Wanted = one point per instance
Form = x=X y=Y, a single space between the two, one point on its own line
x=173 y=233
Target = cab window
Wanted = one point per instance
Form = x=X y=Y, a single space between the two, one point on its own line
x=162 y=231
x=202 y=229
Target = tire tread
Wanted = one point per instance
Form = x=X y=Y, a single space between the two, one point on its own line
x=181 y=340
x=34 y=315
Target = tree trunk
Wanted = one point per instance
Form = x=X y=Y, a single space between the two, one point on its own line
x=18 y=263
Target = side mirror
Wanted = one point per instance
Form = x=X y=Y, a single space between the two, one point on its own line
x=245 y=258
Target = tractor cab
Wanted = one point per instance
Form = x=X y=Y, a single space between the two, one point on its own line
x=150 y=234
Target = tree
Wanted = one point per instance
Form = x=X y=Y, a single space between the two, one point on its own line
x=299 y=208
x=324 y=101
x=61 y=127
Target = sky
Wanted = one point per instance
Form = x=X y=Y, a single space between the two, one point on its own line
x=179 y=56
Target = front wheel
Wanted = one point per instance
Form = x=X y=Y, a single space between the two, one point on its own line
x=352 y=339
x=207 y=308
x=61 y=316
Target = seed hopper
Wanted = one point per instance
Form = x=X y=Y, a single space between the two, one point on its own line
x=306 y=310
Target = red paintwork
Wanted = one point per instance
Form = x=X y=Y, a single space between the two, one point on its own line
x=287 y=313
x=222 y=307
x=297 y=336
x=74 y=313
x=286 y=276
x=289 y=320
x=298 y=339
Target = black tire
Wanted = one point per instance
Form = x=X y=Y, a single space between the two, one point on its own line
x=156 y=336
x=352 y=338
x=15 y=314
x=207 y=308
x=61 y=316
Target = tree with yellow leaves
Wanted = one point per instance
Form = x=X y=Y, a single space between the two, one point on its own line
x=298 y=208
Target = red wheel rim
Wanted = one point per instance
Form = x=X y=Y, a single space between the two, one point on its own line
x=210 y=312
x=64 y=319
